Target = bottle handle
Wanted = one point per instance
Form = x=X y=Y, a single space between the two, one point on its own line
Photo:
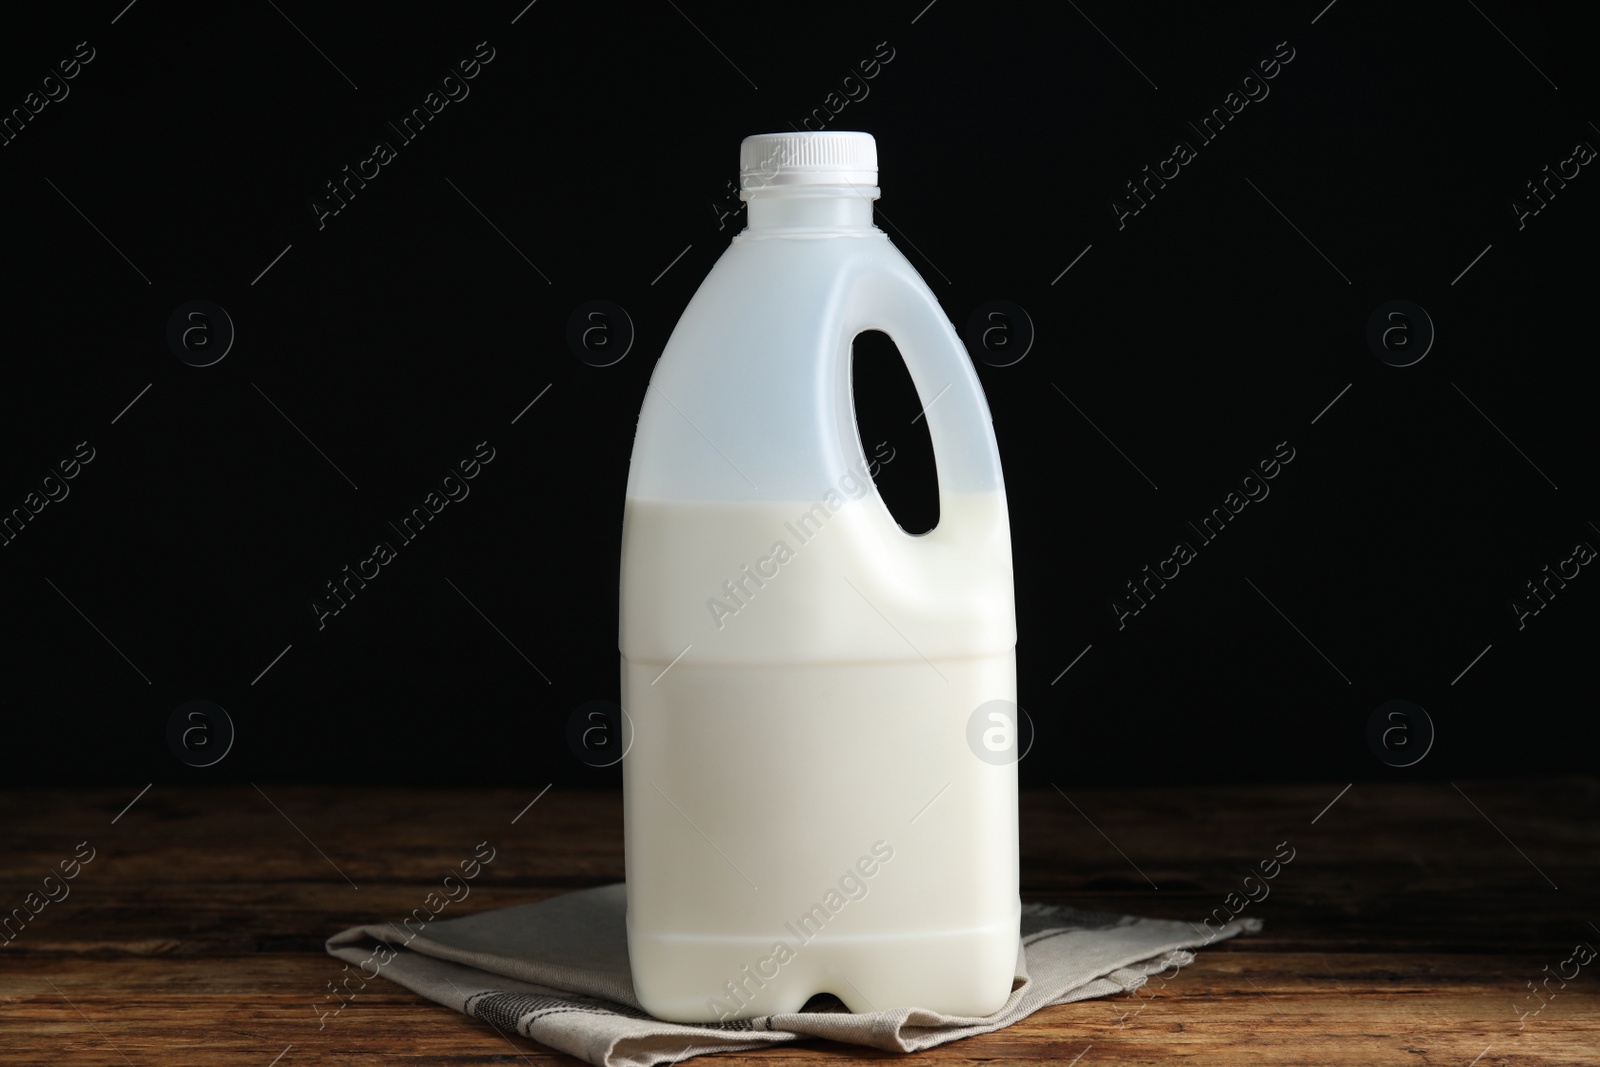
x=965 y=451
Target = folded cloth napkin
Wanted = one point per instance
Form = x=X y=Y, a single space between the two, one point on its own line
x=557 y=971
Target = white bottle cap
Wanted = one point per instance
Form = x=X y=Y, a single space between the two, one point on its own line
x=827 y=158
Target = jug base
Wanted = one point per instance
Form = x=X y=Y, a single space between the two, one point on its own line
x=704 y=979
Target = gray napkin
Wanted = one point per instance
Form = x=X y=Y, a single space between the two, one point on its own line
x=557 y=972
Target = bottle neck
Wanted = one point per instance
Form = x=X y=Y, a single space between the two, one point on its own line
x=812 y=208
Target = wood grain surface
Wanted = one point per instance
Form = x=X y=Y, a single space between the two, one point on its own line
x=1406 y=929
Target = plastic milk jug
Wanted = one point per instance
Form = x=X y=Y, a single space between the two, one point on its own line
x=808 y=687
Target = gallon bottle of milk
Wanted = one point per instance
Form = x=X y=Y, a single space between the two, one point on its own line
x=805 y=809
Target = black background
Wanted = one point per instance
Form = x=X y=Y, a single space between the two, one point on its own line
x=598 y=145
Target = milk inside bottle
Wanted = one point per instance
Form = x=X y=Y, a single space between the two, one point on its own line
x=805 y=809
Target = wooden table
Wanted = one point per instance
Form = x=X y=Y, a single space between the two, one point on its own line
x=1404 y=931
